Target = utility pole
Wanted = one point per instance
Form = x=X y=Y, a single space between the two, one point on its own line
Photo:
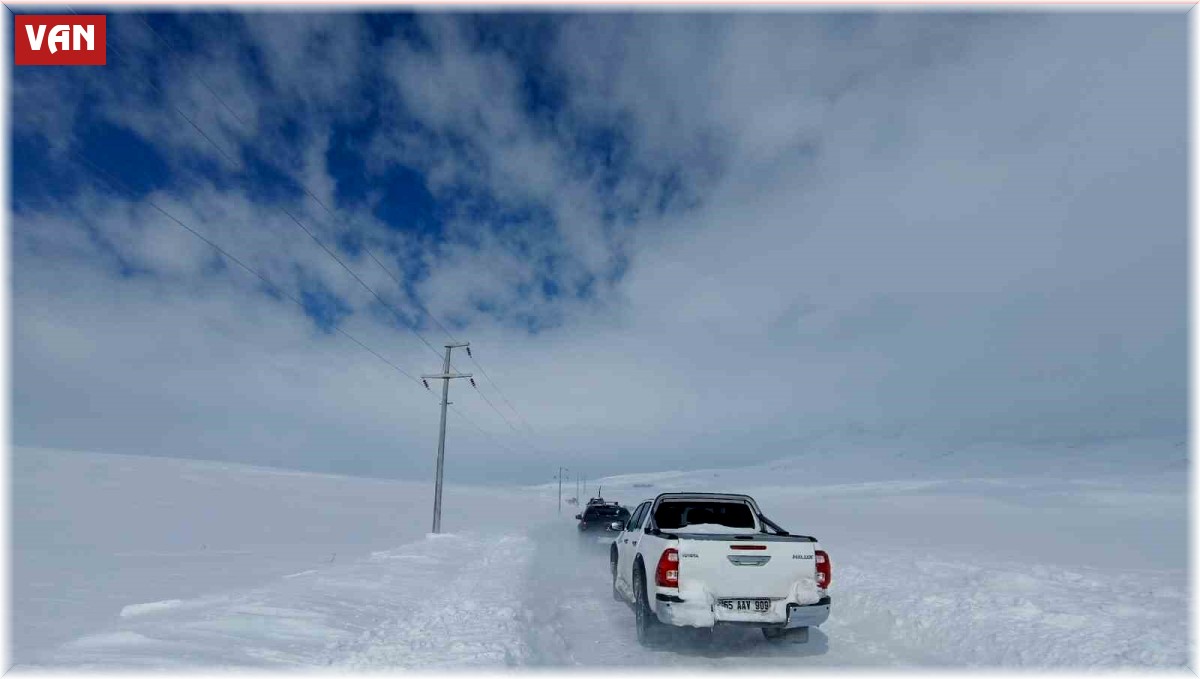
x=445 y=377
x=560 y=478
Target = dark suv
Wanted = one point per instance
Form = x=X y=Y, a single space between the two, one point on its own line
x=599 y=516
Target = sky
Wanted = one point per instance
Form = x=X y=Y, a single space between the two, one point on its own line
x=673 y=240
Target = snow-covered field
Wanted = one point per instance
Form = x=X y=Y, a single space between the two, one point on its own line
x=93 y=534
x=123 y=562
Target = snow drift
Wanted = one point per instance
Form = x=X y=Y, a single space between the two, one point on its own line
x=125 y=562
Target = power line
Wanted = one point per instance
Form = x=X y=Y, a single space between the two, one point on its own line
x=307 y=191
x=361 y=282
x=304 y=188
x=171 y=48
x=366 y=247
x=120 y=54
x=107 y=178
x=498 y=412
x=489 y=402
x=395 y=312
x=115 y=183
x=482 y=431
x=495 y=386
x=414 y=300
x=402 y=320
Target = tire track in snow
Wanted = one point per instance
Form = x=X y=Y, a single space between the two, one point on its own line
x=574 y=620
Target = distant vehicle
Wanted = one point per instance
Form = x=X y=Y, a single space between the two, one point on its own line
x=598 y=500
x=602 y=517
x=707 y=559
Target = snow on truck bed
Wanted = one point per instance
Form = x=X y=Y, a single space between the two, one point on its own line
x=950 y=573
x=709 y=529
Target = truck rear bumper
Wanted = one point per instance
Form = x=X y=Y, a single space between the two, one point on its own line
x=808 y=616
x=675 y=611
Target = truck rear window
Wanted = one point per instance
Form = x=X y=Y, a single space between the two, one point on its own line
x=605 y=512
x=683 y=513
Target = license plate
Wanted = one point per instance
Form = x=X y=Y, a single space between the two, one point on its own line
x=747 y=605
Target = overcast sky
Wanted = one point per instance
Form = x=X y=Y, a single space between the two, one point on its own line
x=672 y=240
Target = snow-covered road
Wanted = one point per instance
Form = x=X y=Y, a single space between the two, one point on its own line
x=577 y=623
x=542 y=598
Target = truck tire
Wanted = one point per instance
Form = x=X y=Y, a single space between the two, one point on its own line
x=795 y=635
x=616 y=592
x=649 y=629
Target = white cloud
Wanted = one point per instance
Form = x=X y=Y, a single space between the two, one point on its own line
x=946 y=228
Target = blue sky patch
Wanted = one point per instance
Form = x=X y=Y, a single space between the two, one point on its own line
x=127 y=157
x=322 y=306
x=404 y=202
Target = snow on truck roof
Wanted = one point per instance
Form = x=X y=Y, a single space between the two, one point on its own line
x=717 y=497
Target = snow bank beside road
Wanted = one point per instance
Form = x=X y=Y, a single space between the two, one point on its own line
x=94 y=533
x=450 y=602
x=991 y=613
x=467 y=613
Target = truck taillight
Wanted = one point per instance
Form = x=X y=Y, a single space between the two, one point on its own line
x=824 y=569
x=667 y=573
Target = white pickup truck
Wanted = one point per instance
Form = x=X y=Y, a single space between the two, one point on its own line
x=707 y=559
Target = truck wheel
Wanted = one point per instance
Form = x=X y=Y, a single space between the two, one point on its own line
x=648 y=625
x=795 y=635
x=616 y=592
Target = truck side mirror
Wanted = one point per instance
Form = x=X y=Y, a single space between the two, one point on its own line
x=579 y=517
x=617 y=525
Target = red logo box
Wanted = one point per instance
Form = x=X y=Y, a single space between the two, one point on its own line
x=59 y=40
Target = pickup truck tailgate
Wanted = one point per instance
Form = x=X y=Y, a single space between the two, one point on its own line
x=753 y=566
